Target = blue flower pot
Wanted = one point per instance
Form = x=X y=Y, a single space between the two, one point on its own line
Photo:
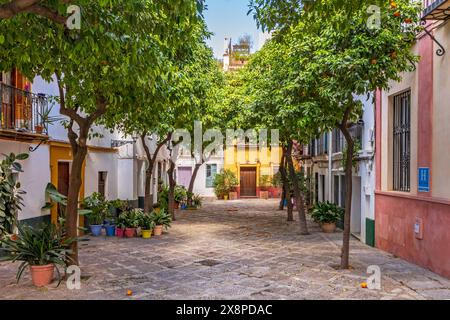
x=96 y=230
x=110 y=230
x=285 y=202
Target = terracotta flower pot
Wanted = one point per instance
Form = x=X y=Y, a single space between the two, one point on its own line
x=158 y=230
x=264 y=195
x=42 y=275
x=328 y=227
x=233 y=195
x=130 y=232
x=176 y=205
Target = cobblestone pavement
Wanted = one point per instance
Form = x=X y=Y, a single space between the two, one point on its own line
x=232 y=250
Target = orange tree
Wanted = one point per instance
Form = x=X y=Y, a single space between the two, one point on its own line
x=334 y=57
x=119 y=55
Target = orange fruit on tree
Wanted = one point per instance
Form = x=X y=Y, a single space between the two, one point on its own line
x=397 y=14
x=393 y=5
x=364 y=285
x=373 y=61
x=408 y=20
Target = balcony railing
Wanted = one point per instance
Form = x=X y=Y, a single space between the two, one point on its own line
x=21 y=110
x=436 y=9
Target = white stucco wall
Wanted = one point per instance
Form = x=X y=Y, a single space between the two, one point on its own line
x=101 y=161
x=35 y=177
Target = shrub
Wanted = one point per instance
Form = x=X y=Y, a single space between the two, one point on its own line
x=161 y=218
x=326 y=212
x=224 y=183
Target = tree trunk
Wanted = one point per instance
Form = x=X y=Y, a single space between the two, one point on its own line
x=148 y=198
x=286 y=188
x=194 y=176
x=79 y=151
x=348 y=195
x=283 y=193
x=298 y=193
x=172 y=190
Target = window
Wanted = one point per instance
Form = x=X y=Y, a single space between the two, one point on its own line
x=211 y=171
x=102 y=175
x=402 y=142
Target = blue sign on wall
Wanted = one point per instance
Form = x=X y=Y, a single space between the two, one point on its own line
x=424 y=179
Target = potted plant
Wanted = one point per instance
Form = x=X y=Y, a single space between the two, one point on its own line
x=162 y=220
x=180 y=195
x=224 y=183
x=132 y=219
x=196 y=201
x=264 y=183
x=147 y=224
x=99 y=209
x=326 y=214
x=121 y=225
x=40 y=249
x=46 y=119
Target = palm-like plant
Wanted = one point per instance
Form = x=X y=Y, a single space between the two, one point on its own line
x=37 y=247
x=161 y=218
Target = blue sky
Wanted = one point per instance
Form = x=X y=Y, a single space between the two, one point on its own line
x=228 y=18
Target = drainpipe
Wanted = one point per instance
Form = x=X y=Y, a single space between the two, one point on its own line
x=330 y=165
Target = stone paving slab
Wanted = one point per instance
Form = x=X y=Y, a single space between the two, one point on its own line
x=215 y=253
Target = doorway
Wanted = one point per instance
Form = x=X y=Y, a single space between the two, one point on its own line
x=248 y=182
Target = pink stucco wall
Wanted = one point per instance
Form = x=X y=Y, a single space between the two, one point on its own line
x=397 y=213
x=394 y=224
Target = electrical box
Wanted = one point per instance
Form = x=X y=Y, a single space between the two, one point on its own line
x=418 y=228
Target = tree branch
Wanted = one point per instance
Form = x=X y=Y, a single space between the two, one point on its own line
x=13 y=8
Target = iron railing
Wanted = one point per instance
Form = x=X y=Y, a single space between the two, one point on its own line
x=402 y=142
x=22 y=110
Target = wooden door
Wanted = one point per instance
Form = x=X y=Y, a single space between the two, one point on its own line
x=63 y=178
x=248 y=182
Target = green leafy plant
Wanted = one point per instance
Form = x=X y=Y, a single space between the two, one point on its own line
x=356 y=151
x=146 y=222
x=37 y=247
x=163 y=198
x=197 y=201
x=130 y=219
x=46 y=118
x=326 y=212
x=11 y=200
x=98 y=207
x=180 y=194
x=265 y=182
x=224 y=183
x=161 y=218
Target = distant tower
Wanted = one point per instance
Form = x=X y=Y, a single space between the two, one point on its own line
x=227 y=54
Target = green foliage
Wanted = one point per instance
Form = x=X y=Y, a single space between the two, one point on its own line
x=180 y=194
x=37 y=247
x=224 y=183
x=146 y=222
x=326 y=212
x=163 y=198
x=130 y=219
x=265 y=181
x=161 y=218
x=356 y=151
x=98 y=207
x=11 y=200
x=197 y=201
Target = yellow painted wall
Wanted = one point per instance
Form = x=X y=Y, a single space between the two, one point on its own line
x=237 y=157
x=62 y=152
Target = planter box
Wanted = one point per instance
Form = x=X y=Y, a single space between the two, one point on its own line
x=233 y=196
x=264 y=195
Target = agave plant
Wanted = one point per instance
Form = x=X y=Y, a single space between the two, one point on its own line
x=37 y=247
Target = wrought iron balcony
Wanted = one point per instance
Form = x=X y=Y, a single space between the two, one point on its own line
x=436 y=10
x=22 y=111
